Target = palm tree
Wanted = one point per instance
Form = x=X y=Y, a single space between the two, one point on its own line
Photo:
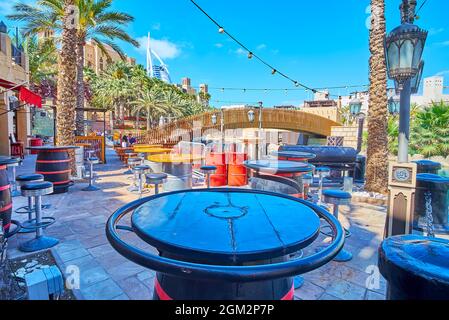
x=377 y=151
x=96 y=21
x=430 y=131
x=43 y=59
x=151 y=101
x=66 y=102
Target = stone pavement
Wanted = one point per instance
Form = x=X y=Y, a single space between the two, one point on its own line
x=105 y=274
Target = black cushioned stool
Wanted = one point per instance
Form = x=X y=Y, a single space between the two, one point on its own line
x=133 y=162
x=337 y=198
x=21 y=181
x=36 y=190
x=156 y=179
x=208 y=170
x=91 y=162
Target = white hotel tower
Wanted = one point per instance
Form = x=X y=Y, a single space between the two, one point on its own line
x=156 y=71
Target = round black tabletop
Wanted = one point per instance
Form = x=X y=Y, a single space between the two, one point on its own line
x=294 y=155
x=278 y=166
x=8 y=160
x=237 y=226
x=52 y=148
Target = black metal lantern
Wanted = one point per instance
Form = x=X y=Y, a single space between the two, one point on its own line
x=355 y=106
x=251 y=116
x=394 y=105
x=415 y=81
x=403 y=48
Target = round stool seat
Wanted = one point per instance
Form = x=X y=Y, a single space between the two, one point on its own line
x=156 y=178
x=40 y=188
x=208 y=168
x=134 y=160
x=323 y=170
x=93 y=160
x=337 y=197
x=141 y=168
x=25 y=178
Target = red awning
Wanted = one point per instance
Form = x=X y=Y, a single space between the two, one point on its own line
x=25 y=94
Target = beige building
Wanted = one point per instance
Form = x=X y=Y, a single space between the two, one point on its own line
x=98 y=60
x=13 y=82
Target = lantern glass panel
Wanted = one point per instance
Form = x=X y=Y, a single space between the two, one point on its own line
x=406 y=54
x=417 y=54
x=393 y=56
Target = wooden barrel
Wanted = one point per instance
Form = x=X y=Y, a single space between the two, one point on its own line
x=220 y=177
x=54 y=164
x=237 y=172
x=5 y=194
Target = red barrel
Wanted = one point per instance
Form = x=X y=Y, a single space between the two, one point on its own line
x=36 y=142
x=5 y=199
x=237 y=172
x=220 y=178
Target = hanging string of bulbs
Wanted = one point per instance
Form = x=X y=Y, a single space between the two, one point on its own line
x=252 y=55
x=223 y=89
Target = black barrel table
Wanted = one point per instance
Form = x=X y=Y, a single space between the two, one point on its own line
x=5 y=193
x=224 y=244
x=53 y=162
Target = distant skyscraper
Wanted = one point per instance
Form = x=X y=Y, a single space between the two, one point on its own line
x=156 y=71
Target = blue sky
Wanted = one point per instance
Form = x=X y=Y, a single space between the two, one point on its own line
x=320 y=43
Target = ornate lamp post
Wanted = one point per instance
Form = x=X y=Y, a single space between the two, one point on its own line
x=394 y=105
x=404 y=47
x=251 y=119
x=355 y=107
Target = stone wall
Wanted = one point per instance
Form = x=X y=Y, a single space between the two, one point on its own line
x=348 y=133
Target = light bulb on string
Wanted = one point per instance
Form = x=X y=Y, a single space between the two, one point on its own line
x=296 y=84
x=222 y=89
x=250 y=55
x=221 y=30
x=273 y=72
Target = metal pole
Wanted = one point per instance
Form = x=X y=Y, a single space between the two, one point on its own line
x=260 y=142
x=222 y=129
x=361 y=120
x=404 y=122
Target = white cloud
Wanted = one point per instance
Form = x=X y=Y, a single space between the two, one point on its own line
x=164 y=48
x=434 y=31
x=156 y=26
x=261 y=46
x=442 y=73
x=219 y=45
x=443 y=44
x=240 y=51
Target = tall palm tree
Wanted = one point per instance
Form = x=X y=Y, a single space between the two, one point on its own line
x=151 y=101
x=43 y=59
x=96 y=21
x=66 y=102
x=377 y=150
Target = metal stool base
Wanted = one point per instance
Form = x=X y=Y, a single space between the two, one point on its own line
x=38 y=244
x=30 y=226
x=343 y=256
x=15 y=193
x=91 y=188
x=128 y=172
x=298 y=282
x=26 y=209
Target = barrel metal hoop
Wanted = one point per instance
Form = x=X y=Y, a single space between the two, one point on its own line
x=229 y=273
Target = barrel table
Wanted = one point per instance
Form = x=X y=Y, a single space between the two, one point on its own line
x=178 y=167
x=149 y=151
x=287 y=175
x=224 y=244
x=5 y=192
x=294 y=156
x=53 y=162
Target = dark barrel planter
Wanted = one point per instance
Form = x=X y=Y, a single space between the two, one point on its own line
x=54 y=164
x=416 y=267
x=5 y=193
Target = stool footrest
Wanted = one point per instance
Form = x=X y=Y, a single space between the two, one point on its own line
x=33 y=225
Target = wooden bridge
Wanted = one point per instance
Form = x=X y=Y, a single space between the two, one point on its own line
x=196 y=126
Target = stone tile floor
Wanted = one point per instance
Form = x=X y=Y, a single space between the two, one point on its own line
x=105 y=274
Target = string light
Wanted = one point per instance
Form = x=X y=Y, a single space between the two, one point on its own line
x=223 y=89
x=250 y=55
x=273 y=70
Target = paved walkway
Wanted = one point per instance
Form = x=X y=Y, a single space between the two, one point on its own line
x=105 y=274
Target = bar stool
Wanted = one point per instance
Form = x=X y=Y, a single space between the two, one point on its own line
x=132 y=162
x=323 y=172
x=91 y=187
x=21 y=181
x=156 y=179
x=13 y=166
x=36 y=190
x=337 y=198
x=307 y=181
x=208 y=170
x=139 y=171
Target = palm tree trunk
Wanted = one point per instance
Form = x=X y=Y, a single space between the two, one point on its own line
x=377 y=153
x=80 y=86
x=148 y=120
x=122 y=112
x=66 y=99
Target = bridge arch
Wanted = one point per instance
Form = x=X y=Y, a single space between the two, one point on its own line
x=289 y=120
